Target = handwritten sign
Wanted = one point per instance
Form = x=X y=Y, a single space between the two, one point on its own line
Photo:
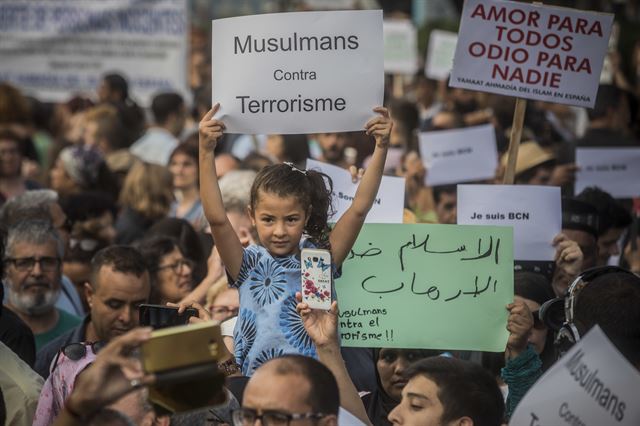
x=427 y=286
x=534 y=212
x=593 y=384
x=615 y=170
x=299 y=72
x=531 y=51
x=389 y=202
x=442 y=47
x=53 y=49
x=400 y=47
x=460 y=155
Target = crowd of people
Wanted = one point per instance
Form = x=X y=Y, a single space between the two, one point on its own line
x=105 y=206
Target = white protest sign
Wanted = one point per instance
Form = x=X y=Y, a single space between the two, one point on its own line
x=53 y=49
x=299 y=72
x=591 y=385
x=534 y=212
x=442 y=47
x=400 y=47
x=387 y=207
x=614 y=170
x=459 y=155
x=531 y=51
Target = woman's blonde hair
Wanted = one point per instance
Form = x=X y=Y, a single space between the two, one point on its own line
x=147 y=189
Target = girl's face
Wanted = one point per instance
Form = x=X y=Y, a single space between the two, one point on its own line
x=174 y=276
x=391 y=365
x=279 y=222
x=184 y=170
x=538 y=336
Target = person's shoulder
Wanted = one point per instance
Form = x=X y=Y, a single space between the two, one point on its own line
x=68 y=319
x=345 y=418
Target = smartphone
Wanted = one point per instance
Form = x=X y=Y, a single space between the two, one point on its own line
x=159 y=316
x=316 y=277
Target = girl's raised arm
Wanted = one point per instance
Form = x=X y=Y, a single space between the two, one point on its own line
x=228 y=244
x=346 y=231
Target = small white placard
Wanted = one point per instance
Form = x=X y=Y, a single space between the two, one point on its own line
x=400 y=47
x=299 y=72
x=459 y=155
x=532 y=51
x=388 y=206
x=593 y=384
x=534 y=212
x=442 y=47
x=614 y=170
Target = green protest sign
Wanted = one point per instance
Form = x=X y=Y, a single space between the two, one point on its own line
x=427 y=286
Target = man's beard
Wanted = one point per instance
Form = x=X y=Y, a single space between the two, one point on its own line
x=33 y=304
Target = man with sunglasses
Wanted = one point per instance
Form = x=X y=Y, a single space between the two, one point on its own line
x=119 y=284
x=32 y=279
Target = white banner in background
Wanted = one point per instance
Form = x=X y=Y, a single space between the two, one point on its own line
x=442 y=47
x=387 y=207
x=299 y=72
x=459 y=155
x=614 y=170
x=53 y=49
x=400 y=47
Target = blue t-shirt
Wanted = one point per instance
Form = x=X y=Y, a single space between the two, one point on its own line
x=268 y=324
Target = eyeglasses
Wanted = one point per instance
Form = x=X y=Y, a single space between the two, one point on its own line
x=538 y=324
x=178 y=266
x=224 y=310
x=77 y=351
x=248 y=416
x=26 y=264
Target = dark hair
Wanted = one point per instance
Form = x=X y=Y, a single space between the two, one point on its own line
x=187 y=240
x=609 y=97
x=88 y=205
x=9 y=135
x=165 y=104
x=464 y=389
x=255 y=161
x=612 y=301
x=117 y=83
x=443 y=189
x=308 y=187
x=528 y=174
x=188 y=148
x=123 y=259
x=153 y=249
x=323 y=396
x=296 y=149
x=611 y=214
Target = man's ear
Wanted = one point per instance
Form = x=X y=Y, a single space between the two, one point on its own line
x=88 y=294
x=331 y=420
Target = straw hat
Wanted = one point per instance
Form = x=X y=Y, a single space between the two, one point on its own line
x=530 y=154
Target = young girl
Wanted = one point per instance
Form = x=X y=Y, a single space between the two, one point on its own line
x=286 y=203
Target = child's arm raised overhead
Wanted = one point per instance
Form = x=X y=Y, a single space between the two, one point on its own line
x=226 y=240
x=346 y=231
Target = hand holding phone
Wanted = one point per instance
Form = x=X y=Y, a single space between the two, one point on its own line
x=317 y=278
x=160 y=316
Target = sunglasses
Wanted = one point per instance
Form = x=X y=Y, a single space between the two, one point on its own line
x=77 y=351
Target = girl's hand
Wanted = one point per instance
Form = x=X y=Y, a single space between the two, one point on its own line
x=380 y=127
x=356 y=174
x=210 y=130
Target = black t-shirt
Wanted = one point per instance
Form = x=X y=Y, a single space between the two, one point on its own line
x=17 y=336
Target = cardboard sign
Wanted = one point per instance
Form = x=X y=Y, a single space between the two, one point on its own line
x=534 y=212
x=400 y=47
x=614 y=170
x=53 y=49
x=531 y=51
x=387 y=207
x=427 y=286
x=593 y=384
x=442 y=47
x=300 y=72
x=459 y=155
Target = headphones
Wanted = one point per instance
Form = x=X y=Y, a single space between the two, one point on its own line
x=558 y=313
